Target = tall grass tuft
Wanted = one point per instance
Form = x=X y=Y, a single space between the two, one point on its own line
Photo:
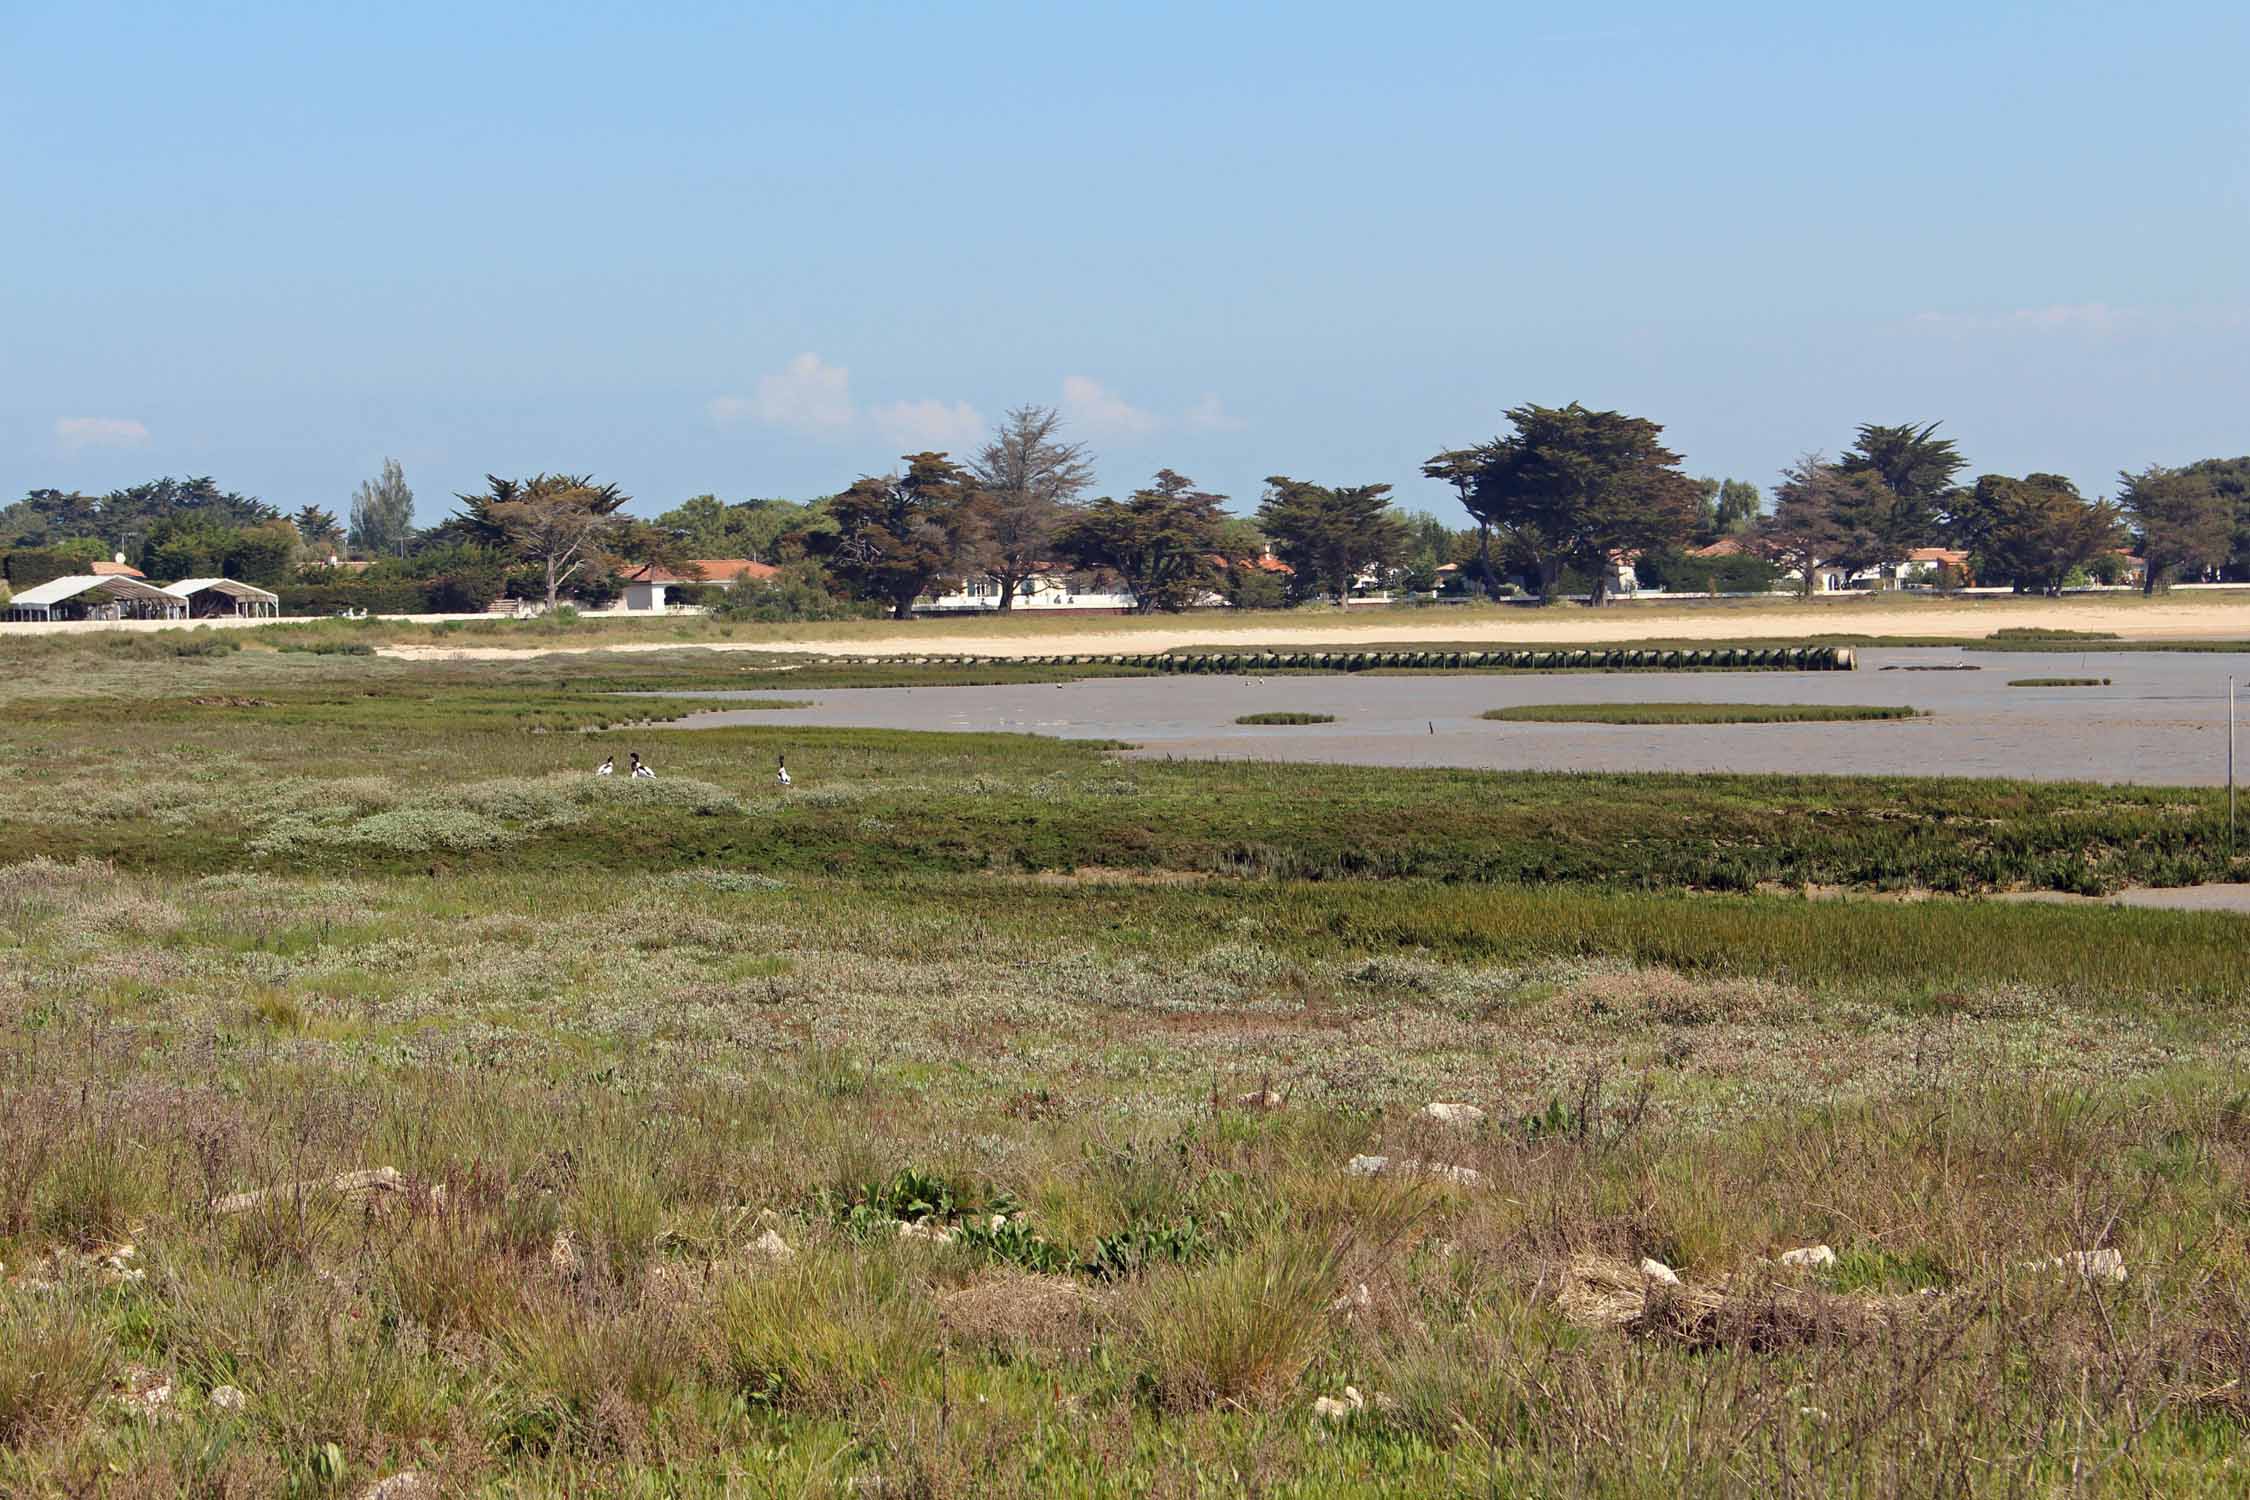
x=1238 y=1332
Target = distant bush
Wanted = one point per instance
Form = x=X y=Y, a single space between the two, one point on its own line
x=1286 y=718
x=331 y=648
x=29 y=567
x=798 y=592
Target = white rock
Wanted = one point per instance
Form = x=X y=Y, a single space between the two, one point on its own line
x=772 y=1246
x=1359 y=1298
x=1452 y=1114
x=1810 y=1255
x=1660 y=1273
x=1370 y=1166
x=936 y=1234
x=1260 y=1099
x=1331 y=1409
x=228 y=1398
x=2094 y=1265
x=400 y=1486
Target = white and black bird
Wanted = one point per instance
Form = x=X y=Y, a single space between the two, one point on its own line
x=781 y=770
x=608 y=767
x=640 y=771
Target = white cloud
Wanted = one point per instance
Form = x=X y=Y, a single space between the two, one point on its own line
x=929 y=424
x=75 y=433
x=2094 y=317
x=2061 y=317
x=808 y=396
x=1211 y=415
x=1089 y=405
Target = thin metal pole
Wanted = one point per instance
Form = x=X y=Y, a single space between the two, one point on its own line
x=2230 y=770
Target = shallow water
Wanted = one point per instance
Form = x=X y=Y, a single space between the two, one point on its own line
x=2162 y=720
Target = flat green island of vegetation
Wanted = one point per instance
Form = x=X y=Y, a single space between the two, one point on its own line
x=2058 y=682
x=1285 y=716
x=1693 y=713
x=382 y=1092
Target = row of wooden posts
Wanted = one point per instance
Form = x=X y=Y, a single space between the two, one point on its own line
x=1621 y=658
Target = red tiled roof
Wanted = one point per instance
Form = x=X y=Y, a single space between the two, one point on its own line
x=115 y=570
x=1938 y=555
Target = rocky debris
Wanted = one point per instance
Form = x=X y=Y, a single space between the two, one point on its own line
x=1812 y=1257
x=375 y=1187
x=771 y=1246
x=144 y=1393
x=228 y=1398
x=404 y=1485
x=1755 y=1309
x=925 y=1229
x=563 y=1255
x=1260 y=1099
x=1658 y=1272
x=1375 y=1166
x=1452 y=1114
x=2104 y=1265
x=1358 y=1299
x=1350 y=1404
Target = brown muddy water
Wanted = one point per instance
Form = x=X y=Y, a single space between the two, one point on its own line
x=2162 y=720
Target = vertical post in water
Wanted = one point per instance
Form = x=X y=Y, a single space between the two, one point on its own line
x=2230 y=773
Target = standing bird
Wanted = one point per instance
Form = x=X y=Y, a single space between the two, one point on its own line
x=641 y=772
x=608 y=767
x=781 y=770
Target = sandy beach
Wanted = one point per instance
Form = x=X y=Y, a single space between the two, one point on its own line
x=2179 y=616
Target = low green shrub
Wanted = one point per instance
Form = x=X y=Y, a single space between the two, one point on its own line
x=1280 y=717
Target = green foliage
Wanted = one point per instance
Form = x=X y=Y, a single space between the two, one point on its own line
x=1571 y=487
x=898 y=534
x=2034 y=532
x=2059 y=682
x=382 y=513
x=2186 y=523
x=1914 y=469
x=1280 y=716
x=1160 y=541
x=800 y=591
x=1329 y=537
x=28 y=567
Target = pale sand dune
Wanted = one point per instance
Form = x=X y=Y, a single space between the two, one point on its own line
x=2177 y=617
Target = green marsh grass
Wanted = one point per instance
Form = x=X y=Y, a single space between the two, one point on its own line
x=614 y=1037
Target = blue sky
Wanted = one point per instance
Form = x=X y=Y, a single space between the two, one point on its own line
x=758 y=250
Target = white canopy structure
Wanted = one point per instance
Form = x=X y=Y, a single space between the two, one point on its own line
x=224 y=596
x=86 y=596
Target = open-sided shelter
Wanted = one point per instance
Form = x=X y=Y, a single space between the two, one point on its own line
x=86 y=596
x=208 y=598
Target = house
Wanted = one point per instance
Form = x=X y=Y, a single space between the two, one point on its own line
x=96 y=596
x=645 y=586
x=213 y=598
x=1052 y=590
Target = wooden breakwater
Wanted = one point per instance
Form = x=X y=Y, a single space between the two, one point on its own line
x=1592 y=659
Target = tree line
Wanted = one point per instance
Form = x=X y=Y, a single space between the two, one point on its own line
x=1560 y=504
